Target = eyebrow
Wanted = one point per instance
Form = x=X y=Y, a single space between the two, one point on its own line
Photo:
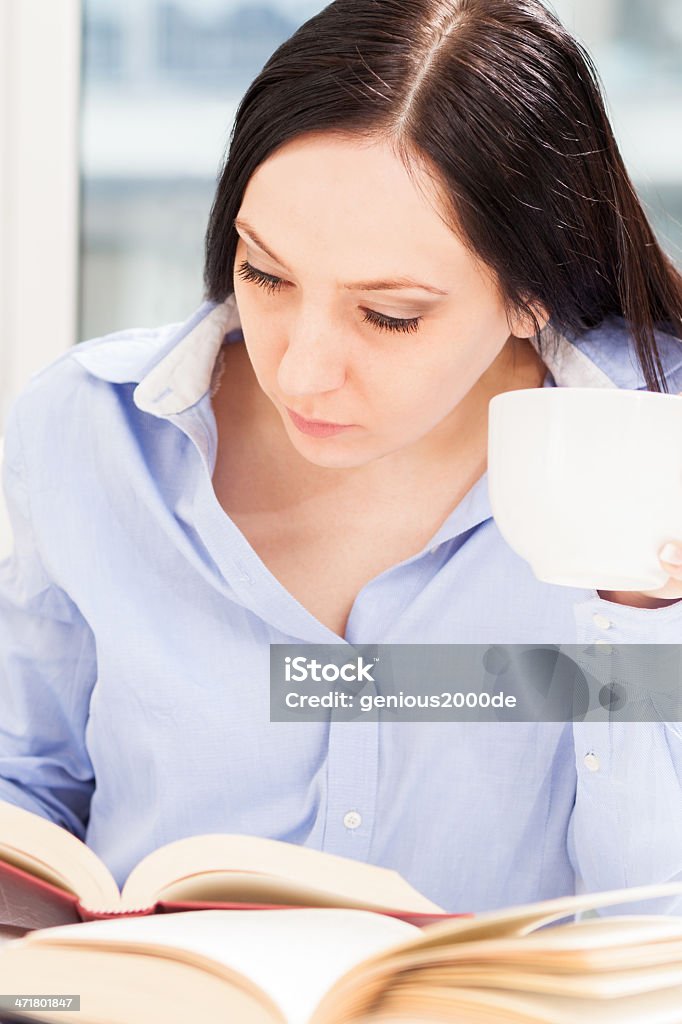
x=395 y=284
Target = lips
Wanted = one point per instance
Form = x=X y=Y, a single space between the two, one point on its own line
x=316 y=428
x=316 y=423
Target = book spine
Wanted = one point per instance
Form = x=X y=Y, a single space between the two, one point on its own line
x=90 y=914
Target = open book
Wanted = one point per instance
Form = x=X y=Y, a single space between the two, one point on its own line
x=338 y=966
x=49 y=877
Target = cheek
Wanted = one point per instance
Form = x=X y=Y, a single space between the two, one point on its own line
x=261 y=337
x=262 y=356
x=266 y=350
x=441 y=376
x=411 y=403
x=417 y=398
x=249 y=305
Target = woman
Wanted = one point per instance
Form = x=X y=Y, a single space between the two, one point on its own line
x=423 y=206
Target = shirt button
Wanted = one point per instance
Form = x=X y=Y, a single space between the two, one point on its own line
x=601 y=622
x=591 y=762
x=352 y=819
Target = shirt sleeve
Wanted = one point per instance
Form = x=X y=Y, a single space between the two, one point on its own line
x=626 y=826
x=47 y=670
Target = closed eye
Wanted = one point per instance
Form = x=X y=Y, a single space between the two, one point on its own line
x=275 y=284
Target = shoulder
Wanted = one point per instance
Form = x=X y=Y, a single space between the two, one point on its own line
x=117 y=358
x=74 y=382
x=68 y=399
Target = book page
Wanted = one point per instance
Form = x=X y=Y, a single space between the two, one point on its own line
x=294 y=956
x=46 y=850
x=605 y=944
x=600 y=958
x=132 y=987
x=527 y=918
x=487 y=1006
x=252 y=887
x=173 y=872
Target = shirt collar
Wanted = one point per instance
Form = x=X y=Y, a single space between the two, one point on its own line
x=604 y=356
x=172 y=366
x=182 y=374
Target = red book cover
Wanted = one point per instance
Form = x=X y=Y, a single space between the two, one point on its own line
x=27 y=903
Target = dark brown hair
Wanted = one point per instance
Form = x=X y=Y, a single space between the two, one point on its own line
x=503 y=109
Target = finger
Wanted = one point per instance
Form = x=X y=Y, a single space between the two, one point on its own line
x=672 y=591
x=670 y=557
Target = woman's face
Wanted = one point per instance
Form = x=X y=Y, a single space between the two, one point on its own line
x=329 y=339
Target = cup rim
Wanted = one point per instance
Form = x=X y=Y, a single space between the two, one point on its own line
x=518 y=393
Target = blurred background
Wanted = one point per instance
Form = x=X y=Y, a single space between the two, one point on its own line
x=114 y=116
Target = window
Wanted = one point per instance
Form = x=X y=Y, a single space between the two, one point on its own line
x=162 y=80
x=637 y=47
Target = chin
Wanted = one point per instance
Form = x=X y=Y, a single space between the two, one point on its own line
x=329 y=458
x=336 y=461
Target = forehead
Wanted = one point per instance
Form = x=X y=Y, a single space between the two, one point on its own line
x=350 y=202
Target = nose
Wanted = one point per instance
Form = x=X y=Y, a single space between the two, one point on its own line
x=314 y=361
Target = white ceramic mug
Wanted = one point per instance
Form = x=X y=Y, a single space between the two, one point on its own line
x=586 y=483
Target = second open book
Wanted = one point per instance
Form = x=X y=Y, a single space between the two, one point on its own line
x=341 y=966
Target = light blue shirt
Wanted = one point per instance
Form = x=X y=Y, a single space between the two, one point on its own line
x=135 y=624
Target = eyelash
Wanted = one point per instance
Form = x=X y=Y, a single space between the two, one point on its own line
x=275 y=284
